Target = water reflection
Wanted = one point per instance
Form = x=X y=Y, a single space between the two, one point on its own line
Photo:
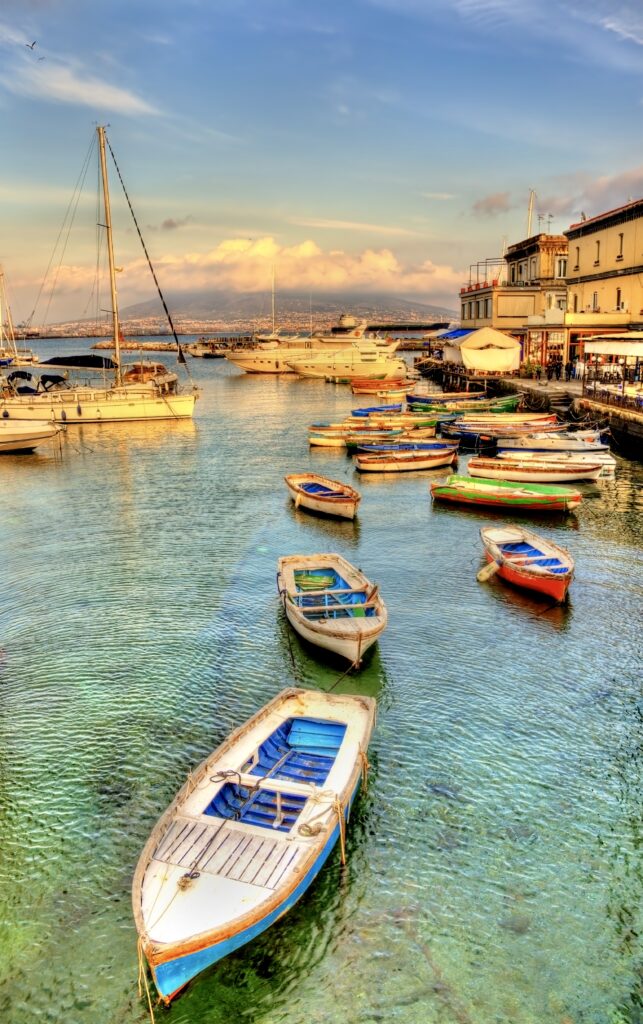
x=327 y=528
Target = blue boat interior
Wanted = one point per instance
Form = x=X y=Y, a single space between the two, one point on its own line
x=300 y=750
x=322 y=490
x=376 y=408
x=534 y=556
x=329 y=605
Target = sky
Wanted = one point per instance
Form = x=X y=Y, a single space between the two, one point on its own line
x=378 y=146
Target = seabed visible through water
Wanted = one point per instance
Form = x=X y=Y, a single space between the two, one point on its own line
x=493 y=873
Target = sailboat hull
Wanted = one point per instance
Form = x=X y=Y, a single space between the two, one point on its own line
x=89 y=405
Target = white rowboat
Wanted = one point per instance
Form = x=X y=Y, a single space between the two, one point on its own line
x=533 y=469
x=331 y=604
x=321 y=494
x=249 y=831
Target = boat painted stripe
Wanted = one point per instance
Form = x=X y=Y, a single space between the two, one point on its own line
x=174 y=974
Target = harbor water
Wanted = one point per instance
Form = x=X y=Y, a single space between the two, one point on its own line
x=492 y=873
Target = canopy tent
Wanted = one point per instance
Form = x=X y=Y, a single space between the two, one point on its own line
x=630 y=344
x=485 y=350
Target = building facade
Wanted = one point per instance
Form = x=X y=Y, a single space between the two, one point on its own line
x=604 y=279
x=554 y=291
x=530 y=283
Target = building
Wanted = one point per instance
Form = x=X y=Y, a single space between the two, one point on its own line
x=605 y=264
x=529 y=285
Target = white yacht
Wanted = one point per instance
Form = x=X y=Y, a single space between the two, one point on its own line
x=276 y=353
x=360 y=359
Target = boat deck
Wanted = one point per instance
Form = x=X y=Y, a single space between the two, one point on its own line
x=228 y=852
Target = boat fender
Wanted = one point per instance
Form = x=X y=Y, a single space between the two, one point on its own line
x=79 y=410
x=63 y=415
x=5 y=414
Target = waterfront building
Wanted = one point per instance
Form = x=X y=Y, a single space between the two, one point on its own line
x=605 y=292
x=527 y=286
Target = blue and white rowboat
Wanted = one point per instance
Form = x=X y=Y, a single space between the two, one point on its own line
x=249 y=831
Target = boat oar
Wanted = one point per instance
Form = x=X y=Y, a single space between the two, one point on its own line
x=487 y=572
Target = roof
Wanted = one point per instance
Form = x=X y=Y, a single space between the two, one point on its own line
x=459 y=332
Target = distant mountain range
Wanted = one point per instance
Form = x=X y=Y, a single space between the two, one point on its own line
x=249 y=306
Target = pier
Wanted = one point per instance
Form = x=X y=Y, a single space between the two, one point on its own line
x=606 y=405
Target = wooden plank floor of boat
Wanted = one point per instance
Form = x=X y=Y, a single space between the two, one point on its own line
x=231 y=853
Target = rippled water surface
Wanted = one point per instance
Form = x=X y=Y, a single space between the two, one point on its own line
x=492 y=874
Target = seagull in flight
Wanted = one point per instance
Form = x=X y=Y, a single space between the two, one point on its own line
x=30 y=46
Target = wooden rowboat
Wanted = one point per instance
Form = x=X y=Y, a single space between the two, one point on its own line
x=606 y=461
x=533 y=470
x=376 y=387
x=404 y=462
x=249 y=831
x=439 y=397
x=320 y=494
x=331 y=604
x=503 y=493
x=527 y=560
x=384 y=409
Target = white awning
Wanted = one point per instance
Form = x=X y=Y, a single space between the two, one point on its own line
x=614 y=348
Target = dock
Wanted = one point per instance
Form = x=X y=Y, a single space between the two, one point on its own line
x=621 y=415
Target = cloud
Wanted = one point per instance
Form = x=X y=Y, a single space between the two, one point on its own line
x=245 y=265
x=349 y=225
x=171 y=223
x=57 y=83
x=594 y=195
x=56 y=80
x=440 y=197
x=493 y=205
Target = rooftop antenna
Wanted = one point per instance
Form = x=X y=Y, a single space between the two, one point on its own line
x=541 y=218
x=550 y=218
x=530 y=211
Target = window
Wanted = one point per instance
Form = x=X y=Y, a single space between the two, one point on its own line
x=532 y=269
x=488 y=309
x=513 y=273
x=577 y=258
x=561 y=268
x=619 y=255
x=464 y=311
x=575 y=303
x=618 y=298
x=597 y=258
x=595 y=306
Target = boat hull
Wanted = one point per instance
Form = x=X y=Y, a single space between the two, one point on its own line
x=528 y=561
x=173 y=975
x=556 y=588
x=20 y=436
x=404 y=462
x=223 y=864
x=347 y=630
x=502 y=494
x=524 y=472
x=99 y=406
x=343 y=507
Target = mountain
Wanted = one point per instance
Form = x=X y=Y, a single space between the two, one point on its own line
x=229 y=307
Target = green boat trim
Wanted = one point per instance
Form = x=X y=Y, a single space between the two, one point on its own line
x=554 y=490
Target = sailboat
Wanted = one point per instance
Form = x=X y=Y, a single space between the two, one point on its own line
x=10 y=354
x=137 y=392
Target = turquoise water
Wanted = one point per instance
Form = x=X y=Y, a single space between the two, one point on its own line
x=492 y=875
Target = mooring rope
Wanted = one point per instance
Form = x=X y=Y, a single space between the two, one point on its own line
x=142 y=976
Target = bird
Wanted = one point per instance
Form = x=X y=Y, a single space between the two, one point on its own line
x=30 y=46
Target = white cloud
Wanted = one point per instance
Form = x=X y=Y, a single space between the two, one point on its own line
x=440 y=197
x=55 y=82
x=245 y=265
x=349 y=225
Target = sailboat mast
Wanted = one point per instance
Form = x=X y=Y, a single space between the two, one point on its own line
x=110 y=252
x=273 y=298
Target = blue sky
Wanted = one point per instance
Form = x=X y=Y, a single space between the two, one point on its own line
x=372 y=145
